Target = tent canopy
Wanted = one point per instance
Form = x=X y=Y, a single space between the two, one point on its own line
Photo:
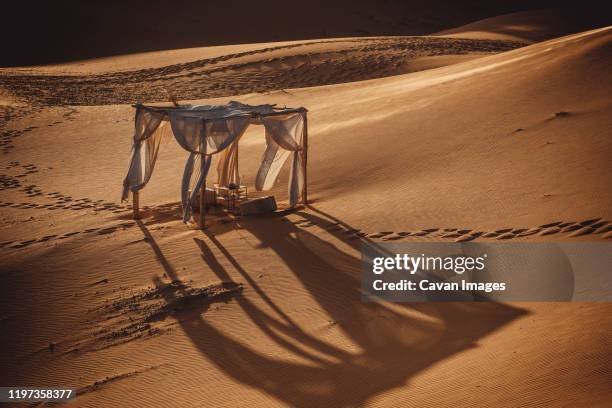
x=232 y=110
x=207 y=130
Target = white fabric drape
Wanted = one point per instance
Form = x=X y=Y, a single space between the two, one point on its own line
x=193 y=180
x=188 y=132
x=227 y=166
x=284 y=135
x=145 y=131
x=207 y=130
x=202 y=139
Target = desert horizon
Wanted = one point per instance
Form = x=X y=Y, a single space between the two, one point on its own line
x=392 y=126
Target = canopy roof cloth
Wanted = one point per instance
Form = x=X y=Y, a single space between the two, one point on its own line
x=207 y=130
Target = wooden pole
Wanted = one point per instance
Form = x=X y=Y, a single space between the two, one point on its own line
x=305 y=160
x=135 y=204
x=202 y=204
x=203 y=187
x=237 y=175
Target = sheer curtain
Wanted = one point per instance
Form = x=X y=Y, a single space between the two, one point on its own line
x=284 y=135
x=148 y=132
x=202 y=139
x=227 y=166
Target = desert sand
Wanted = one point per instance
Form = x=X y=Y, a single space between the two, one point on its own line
x=527 y=26
x=458 y=136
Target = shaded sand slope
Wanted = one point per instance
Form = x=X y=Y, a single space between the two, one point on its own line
x=70 y=30
x=531 y=26
x=129 y=307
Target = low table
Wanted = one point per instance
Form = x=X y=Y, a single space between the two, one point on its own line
x=231 y=195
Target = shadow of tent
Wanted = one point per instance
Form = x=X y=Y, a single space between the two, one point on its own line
x=390 y=344
x=156 y=214
x=171 y=212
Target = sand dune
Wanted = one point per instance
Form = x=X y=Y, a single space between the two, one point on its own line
x=507 y=146
x=276 y=67
x=70 y=30
x=525 y=26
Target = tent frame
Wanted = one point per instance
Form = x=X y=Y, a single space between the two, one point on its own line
x=279 y=111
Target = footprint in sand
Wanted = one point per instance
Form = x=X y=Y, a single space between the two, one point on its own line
x=604 y=228
x=589 y=222
x=598 y=224
x=468 y=237
x=428 y=231
x=23 y=244
x=392 y=237
x=108 y=230
x=475 y=234
x=530 y=231
x=550 y=231
x=583 y=231
x=357 y=235
x=47 y=238
x=570 y=228
x=380 y=234
x=8 y=182
x=561 y=114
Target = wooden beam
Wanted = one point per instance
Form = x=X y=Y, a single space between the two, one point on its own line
x=135 y=204
x=275 y=112
x=305 y=160
x=202 y=204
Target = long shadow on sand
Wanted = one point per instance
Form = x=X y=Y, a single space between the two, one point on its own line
x=388 y=345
